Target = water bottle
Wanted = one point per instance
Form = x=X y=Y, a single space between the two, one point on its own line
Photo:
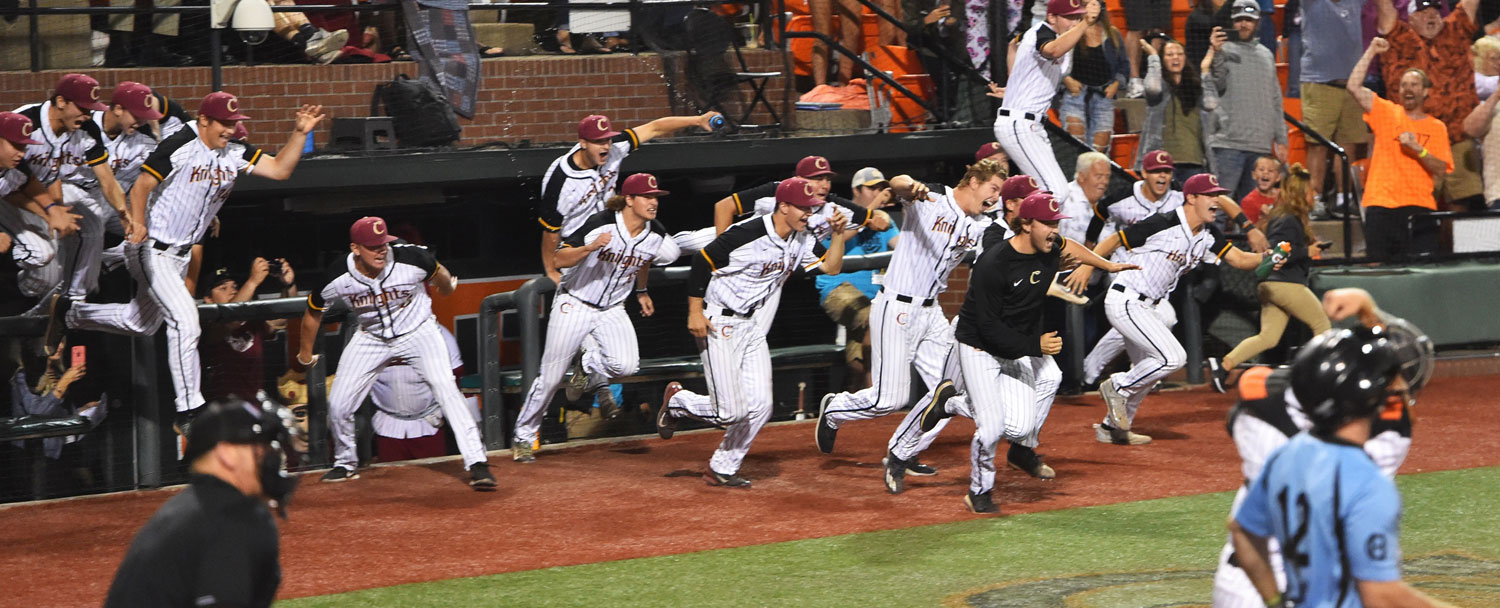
x=717 y=122
x=1278 y=253
x=307 y=147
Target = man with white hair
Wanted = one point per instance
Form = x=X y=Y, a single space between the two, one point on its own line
x=1090 y=181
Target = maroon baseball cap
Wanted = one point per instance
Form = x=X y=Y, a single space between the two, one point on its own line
x=82 y=90
x=814 y=166
x=137 y=99
x=240 y=132
x=988 y=150
x=1065 y=8
x=1042 y=206
x=221 y=106
x=1018 y=186
x=16 y=128
x=798 y=192
x=642 y=184
x=370 y=231
x=1203 y=183
x=1157 y=160
x=595 y=127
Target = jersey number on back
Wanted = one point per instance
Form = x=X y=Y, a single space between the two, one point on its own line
x=1292 y=552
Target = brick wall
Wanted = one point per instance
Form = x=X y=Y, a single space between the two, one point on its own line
x=958 y=284
x=538 y=98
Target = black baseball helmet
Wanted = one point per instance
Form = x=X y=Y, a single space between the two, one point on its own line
x=1344 y=375
x=263 y=421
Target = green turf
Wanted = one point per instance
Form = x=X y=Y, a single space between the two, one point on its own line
x=1163 y=550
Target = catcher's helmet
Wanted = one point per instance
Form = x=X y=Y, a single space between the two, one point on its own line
x=1344 y=375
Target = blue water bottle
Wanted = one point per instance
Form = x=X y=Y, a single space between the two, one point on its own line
x=717 y=122
x=307 y=148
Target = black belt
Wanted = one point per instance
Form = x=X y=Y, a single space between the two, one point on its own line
x=910 y=300
x=728 y=312
x=582 y=301
x=1121 y=288
x=1026 y=115
x=170 y=248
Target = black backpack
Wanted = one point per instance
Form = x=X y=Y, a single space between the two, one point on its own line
x=419 y=111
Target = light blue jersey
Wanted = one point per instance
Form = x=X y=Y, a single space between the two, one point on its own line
x=1337 y=518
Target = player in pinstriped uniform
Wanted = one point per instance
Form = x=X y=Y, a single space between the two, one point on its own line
x=408 y=418
x=386 y=289
x=1268 y=415
x=732 y=277
x=1043 y=58
x=183 y=183
x=608 y=257
x=1165 y=246
x=30 y=245
x=939 y=226
x=1003 y=349
x=135 y=122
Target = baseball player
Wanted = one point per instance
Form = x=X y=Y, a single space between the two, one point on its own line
x=577 y=184
x=1043 y=57
x=71 y=144
x=761 y=200
x=609 y=257
x=1333 y=513
x=135 y=122
x=31 y=247
x=408 y=417
x=385 y=287
x=992 y=152
x=732 y=277
x=1268 y=415
x=182 y=184
x=939 y=226
x=1003 y=350
x=1165 y=247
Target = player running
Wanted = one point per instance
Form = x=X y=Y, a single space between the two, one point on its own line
x=732 y=277
x=611 y=256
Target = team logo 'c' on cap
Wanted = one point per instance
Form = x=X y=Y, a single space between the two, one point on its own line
x=1053 y=204
x=1161 y=156
x=26 y=129
x=820 y=162
x=807 y=188
x=233 y=104
x=1032 y=180
x=378 y=226
x=94 y=93
x=602 y=123
x=651 y=179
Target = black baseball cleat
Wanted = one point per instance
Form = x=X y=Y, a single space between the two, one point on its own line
x=825 y=435
x=480 y=477
x=1026 y=460
x=1218 y=375
x=916 y=467
x=981 y=503
x=715 y=478
x=895 y=473
x=936 y=411
x=57 y=322
x=666 y=425
x=338 y=474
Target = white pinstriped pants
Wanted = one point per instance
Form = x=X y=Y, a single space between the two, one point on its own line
x=361 y=363
x=902 y=335
x=1007 y=399
x=1154 y=352
x=1111 y=344
x=161 y=296
x=1026 y=143
x=613 y=352
x=737 y=365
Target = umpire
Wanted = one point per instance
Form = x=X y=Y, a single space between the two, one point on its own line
x=215 y=544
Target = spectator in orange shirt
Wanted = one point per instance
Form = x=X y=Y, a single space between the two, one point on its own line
x=1267 y=176
x=1410 y=152
x=1440 y=47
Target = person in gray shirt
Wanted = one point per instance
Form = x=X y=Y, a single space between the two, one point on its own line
x=1244 y=73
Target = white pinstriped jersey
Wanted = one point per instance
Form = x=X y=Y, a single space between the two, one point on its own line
x=607 y=275
x=1034 y=78
x=1165 y=248
x=749 y=262
x=12 y=180
x=389 y=305
x=195 y=182
x=571 y=194
x=1136 y=207
x=58 y=154
x=130 y=149
x=935 y=236
x=404 y=401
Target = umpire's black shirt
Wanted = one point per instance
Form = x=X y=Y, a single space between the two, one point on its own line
x=208 y=546
x=1002 y=312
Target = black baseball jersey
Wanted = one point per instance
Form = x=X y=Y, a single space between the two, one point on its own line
x=1274 y=404
x=1002 y=311
x=389 y=305
x=59 y=154
x=208 y=546
x=195 y=182
x=749 y=262
x=607 y=275
x=570 y=194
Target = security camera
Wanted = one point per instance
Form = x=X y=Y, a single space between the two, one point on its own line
x=253 y=20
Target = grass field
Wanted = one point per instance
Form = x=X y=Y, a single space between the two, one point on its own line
x=1150 y=553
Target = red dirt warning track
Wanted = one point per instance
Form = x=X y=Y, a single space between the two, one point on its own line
x=608 y=502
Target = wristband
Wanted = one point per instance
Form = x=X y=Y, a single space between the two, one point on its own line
x=1241 y=219
x=640 y=290
x=1423 y=154
x=54 y=204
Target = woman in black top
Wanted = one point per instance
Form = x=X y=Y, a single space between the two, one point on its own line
x=1100 y=67
x=1284 y=292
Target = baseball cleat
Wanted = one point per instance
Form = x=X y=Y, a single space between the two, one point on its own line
x=1118 y=411
x=1026 y=460
x=578 y=382
x=338 y=474
x=824 y=435
x=1108 y=434
x=608 y=407
x=1218 y=375
x=523 y=452
x=916 y=467
x=936 y=409
x=665 y=423
x=57 y=322
x=895 y=473
x=715 y=478
x=981 y=503
x=480 y=477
